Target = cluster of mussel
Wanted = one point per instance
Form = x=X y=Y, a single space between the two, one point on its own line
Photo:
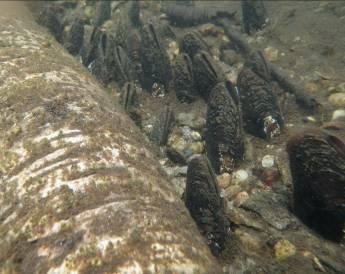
x=132 y=53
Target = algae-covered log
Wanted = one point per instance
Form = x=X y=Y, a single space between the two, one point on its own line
x=79 y=190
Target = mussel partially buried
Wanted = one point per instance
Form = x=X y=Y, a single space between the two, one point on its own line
x=155 y=61
x=207 y=73
x=224 y=135
x=206 y=206
x=184 y=78
x=261 y=112
x=317 y=161
x=192 y=42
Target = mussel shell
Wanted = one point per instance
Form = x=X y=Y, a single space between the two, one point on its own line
x=162 y=127
x=224 y=134
x=203 y=200
x=128 y=95
x=258 y=102
x=192 y=43
x=184 y=78
x=102 y=13
x=74 y=41
x=317 y=162
x=254 y=15
x=155 y=61
x=207 y=73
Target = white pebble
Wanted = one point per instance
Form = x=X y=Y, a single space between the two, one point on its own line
x=240 y=175
x=339 y=113
x=267 y=161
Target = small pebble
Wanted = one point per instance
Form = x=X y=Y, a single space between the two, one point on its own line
x=240 y=175
x=231 y=191
x=284 y=249
x=197 y=147
x=309 y=119
x=196 y=136
x=224 y=180
x=271 y=54
x=339 y=113
x=311 y=87
x=341 y=87
x=337 y=99
x=241 y=198
x=267 y=161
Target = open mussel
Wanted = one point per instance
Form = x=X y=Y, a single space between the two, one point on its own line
x=261 y=113
x=184 y=79
x=128 y=95
x=123 y=71
x=317 y=162
x=207 y=73
x=206 y=206
x=224 y=134
x=155 y=61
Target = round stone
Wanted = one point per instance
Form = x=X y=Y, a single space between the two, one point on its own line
x=267 y=161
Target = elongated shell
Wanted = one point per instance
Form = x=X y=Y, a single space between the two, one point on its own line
x=203 y=200
x=207 y=73
x=317 y=162
x=184 y=78
x=261 y=112
x=192 y=43
x=224 y=135
x=163 y=126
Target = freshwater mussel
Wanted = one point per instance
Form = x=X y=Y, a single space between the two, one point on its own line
x=206 y=206
x=192 y=43
x=128 y=95
x=184 y=78
x=224 y=135
x=261 y=113
x=74 y=40
x=317 y=162
x=207 y=73
x=162 y=126
x=155 y=61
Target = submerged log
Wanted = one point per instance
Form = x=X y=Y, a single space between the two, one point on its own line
x=80 y=192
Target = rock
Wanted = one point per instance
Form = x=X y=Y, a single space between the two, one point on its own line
x=190 y=120
x=197 y=147
x=231 y=191
x=240 y=175
x=311 y=87
x=309 y=119
x=196 y=136
x=337 y=99
x=224 y=180
x=267 y=161
x=269 y=176
x=173 y=51
x=271 y=54
x=341 y=87
x=339 y=113
x=240 y=198
x=248 y=241
x=284 y=249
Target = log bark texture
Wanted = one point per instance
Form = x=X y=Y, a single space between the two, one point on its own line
x=80 y=192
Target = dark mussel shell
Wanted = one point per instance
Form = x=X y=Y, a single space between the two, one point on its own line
x=224 y=135
x=192 y=43
x=50 y=19
x=99 y=67
x=162 y=126
x=75 y=37
x=155 y=61
x=207 y=73
x=122 y=66
x=206 y=206
x=184 y=78
x=128 y=95
x=254 y=15
x=102 y=13
x=134 y=13
x=88 y=52
x=317 y=162
x=261 y=113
